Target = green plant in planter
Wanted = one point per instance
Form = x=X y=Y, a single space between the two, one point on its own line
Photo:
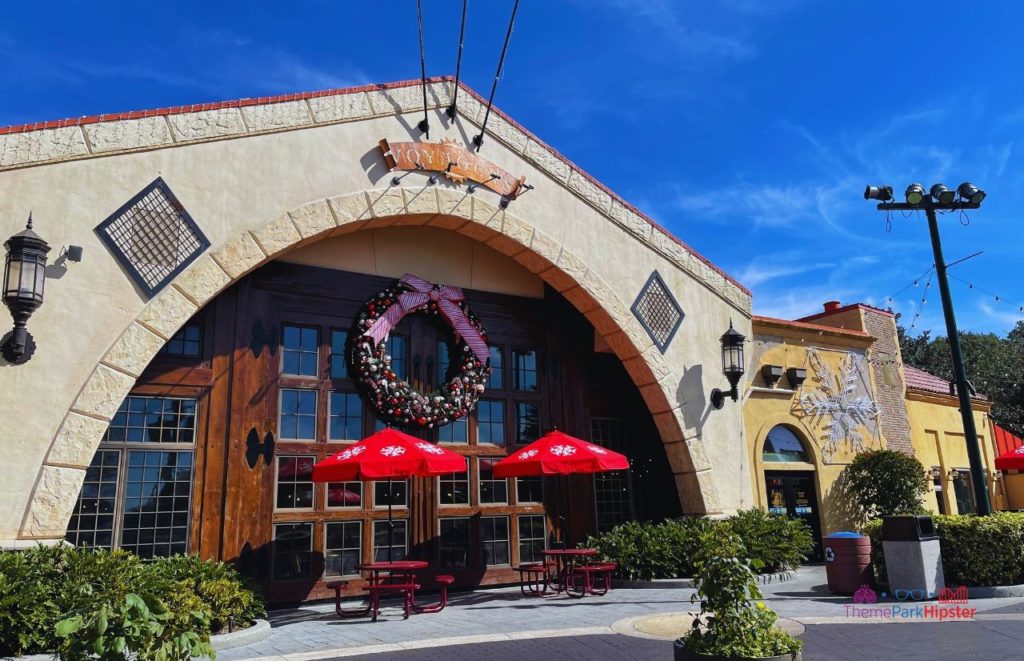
x=732 y=622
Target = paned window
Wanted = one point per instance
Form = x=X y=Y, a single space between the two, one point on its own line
x=300 y=351
x=293 y=550
x=294 y=483
x=92 y=520
x=443 y=361
x=496 y=380
x=343 y=544
x=398 y=349
x=454 y=542
x=338 y=364
x=346 y=417
x=612 y=496
x=529 y=490
x=527 y=423
x=186 y=342
x=158 y=490
x=348 y=495
x=137 y=492
x=494 y=540
x=453 y=488
x=397 y=493
x=298 y=415
x=492 y=490
x=456 y=431
x=153 y=420
x=525 y=369
x=532 y=538
x=381 y=540
x=490 y=422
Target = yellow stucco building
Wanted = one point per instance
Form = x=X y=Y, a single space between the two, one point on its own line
x=824 y=388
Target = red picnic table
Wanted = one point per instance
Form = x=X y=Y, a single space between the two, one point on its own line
x=396 y=577
x=570 y=565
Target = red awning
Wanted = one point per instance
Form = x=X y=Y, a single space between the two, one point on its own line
x=1005 y=441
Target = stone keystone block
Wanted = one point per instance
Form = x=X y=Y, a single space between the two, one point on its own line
x=313 y=218
x=76 y=441
x=103 y=392
x=203 y=280
x=167 y=312
x=134 y=349
x=277 y=236
x=387 y=202
x=54 y=499
x=239 y=255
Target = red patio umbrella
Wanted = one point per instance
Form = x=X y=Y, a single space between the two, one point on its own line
x=1012 y=460
x=389 y=454
x=557 y=453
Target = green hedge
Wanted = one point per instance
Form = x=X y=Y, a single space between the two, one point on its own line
x=646 y=551
x=976 y=550
x=84 y=602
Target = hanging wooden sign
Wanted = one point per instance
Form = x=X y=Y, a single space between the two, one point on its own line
x=453 y=161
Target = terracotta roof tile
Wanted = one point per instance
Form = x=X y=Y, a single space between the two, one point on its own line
x=918 y=379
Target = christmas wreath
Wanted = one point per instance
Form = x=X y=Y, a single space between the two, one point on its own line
x=394 y=399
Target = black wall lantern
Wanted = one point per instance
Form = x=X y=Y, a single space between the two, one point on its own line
x=732 y=366
x=24 y=279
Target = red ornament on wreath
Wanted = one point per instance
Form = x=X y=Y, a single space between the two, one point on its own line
x=371 y=364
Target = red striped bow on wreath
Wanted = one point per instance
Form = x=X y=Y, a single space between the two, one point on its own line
x=419 y=295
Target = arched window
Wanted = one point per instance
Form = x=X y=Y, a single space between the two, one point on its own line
x=784 y=445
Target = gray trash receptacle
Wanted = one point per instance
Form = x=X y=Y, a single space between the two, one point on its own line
x=913 y=558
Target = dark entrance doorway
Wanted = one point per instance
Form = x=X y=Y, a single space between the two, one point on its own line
x=792 y=493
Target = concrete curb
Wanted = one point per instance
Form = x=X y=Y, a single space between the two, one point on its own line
x=995 y=591
x=661 y=583
x=260 y=630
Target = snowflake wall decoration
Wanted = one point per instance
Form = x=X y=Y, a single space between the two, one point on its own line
x=838 y=401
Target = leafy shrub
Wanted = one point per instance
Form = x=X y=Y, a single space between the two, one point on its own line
x=976 y=550
x=647 y=551
x=81 y=602
x=886 y=482
x=215 y=585
x=730 y=624
x=778 y=543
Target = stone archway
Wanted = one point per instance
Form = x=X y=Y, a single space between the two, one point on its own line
x=76 y=440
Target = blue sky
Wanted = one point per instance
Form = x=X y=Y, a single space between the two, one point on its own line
x=747 y=128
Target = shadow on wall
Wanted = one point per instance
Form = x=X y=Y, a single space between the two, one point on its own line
x=693 y=400
x=840 y=506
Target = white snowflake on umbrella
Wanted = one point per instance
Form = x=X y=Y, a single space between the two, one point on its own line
x=562 y=450
x=432 y=449
x=1019 y=450
x=392 y=451
x=353 y=452
x=597 y=449
x=526 y=454
x=837 y=400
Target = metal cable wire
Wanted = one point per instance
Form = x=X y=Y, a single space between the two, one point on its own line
x=458 y=63
x=425 y=124
x=478 y=140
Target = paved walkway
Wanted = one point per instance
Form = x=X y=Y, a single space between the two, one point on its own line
x=501 y=623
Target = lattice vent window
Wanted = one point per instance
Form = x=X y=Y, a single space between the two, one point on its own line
x=153 y=237
x=658 y=312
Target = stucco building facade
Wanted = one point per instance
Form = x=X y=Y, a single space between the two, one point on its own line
x=290 y=202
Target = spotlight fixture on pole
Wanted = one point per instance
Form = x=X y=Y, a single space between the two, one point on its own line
x=397 y=180
x=914 y=194
x=941 y=199
x=970 y=193
x=942 y=195
x=505 y=201
x=880 y=193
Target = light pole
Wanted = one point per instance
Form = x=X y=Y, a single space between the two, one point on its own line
x=967 y=196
